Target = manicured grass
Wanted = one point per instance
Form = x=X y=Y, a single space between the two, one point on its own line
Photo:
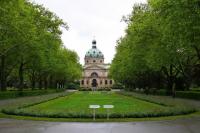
x=79 y=103
x=76 y=106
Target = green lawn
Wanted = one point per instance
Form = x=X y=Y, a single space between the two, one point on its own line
x=126 y=105
x=78 y=103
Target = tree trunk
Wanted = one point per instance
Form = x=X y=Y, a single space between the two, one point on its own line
x=21 y=76
x=40 y=83
x=2 y=74
x=173 y=91
x=33 y=81
x=45 y=83
x=51 y=84
x=172 y=82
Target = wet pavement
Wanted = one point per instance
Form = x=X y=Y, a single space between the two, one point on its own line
x=191 y=125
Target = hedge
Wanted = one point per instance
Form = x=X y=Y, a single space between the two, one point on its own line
x=98 y=89
x=99 y=115
x=15 y=94
x=195 y=95
x=188 y=94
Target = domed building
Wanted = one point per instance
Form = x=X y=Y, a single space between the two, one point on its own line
x=95 y=71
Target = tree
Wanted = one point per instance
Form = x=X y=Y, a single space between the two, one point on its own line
x=35 y=56
x=162 y=39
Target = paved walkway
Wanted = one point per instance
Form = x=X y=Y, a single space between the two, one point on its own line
x=178 y=126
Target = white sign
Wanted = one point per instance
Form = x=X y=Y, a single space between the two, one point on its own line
x=108 y=106
x=94 y=106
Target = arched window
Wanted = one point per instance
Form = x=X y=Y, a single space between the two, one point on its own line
x=82 y=82
x=100 y=61
x=94 y=75
x=87 y=82
x=94 y=61
x=106 y=82
x=87 y=61
x=110 y=81
x=100 y=81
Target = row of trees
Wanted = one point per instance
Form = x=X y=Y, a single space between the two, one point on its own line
x=161 y=48
x=31 y=49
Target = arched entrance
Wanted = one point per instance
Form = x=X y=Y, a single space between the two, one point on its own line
x=94 y=75
x=94 y=83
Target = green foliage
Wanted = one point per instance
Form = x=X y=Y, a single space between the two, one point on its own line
x=179 y=94
x=188 y=94
x=98 y=89
x=85 y=89
x=104 y=89
x=31 y=50
x=74 y=85
x=118 y=86
x=161 y=46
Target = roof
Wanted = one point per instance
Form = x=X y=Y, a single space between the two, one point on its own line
x=94 y=52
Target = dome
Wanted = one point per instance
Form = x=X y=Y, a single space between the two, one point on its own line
x=94 y=52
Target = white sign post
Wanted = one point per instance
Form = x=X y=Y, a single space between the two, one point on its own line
x=94 y=107
x=108 y=107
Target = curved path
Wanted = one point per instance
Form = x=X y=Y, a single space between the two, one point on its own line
x=177 y=126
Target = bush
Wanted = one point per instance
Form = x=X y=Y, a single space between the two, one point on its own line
x=104 y=89
x=195 y=89
x=188 y=94
x=180 y=94
x=85 y=89
x=73 y=86
x=167 y=112
x=117 y=86
x=98 y=89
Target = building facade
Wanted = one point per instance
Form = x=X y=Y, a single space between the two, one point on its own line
x=95 y=71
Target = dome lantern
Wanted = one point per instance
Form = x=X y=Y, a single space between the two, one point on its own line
x=94 y=42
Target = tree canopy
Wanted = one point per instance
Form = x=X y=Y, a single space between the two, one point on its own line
x=161 y=46
x=31 y=50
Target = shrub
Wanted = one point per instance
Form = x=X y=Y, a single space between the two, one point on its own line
x=85 y=89
x=104 y=89
x=195 y=89
x=73 y=86
x=117 y=86
x=98 y=89
x=188 y=94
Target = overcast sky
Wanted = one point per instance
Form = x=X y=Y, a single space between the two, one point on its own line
x=89 y=18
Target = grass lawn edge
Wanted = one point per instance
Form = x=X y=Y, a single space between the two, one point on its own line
x=192 y=115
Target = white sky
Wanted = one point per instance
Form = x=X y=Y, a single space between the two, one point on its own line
x=89 y=18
